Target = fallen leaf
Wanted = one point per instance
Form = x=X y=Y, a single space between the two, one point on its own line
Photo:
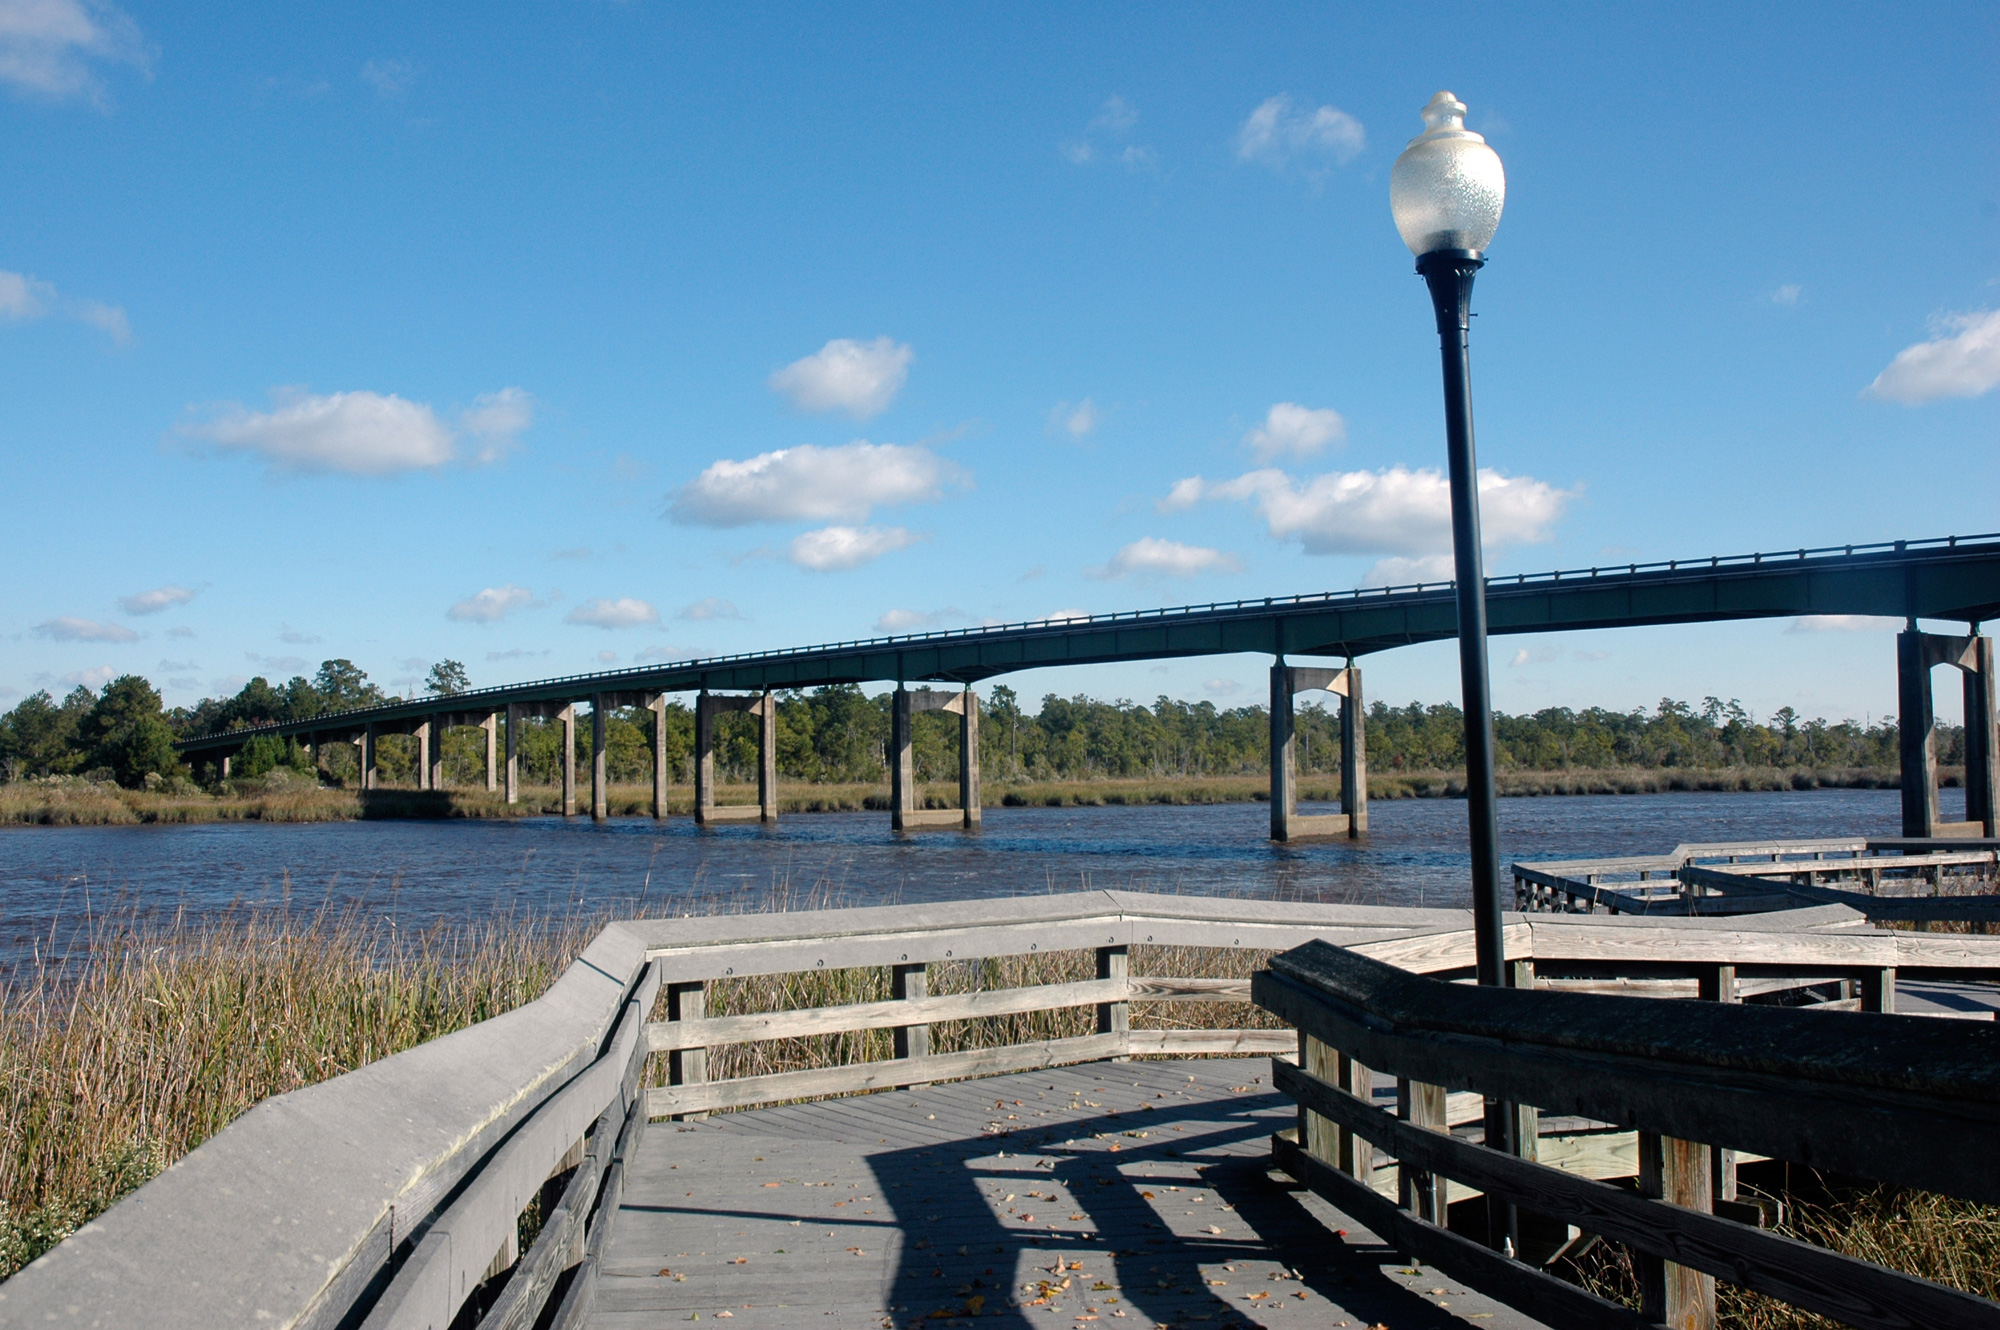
x=770 y=1184
x=1257 y=1297
x=1147 y=1195
x=725 y=1313
x=1213 y=1229
x=974 y=1303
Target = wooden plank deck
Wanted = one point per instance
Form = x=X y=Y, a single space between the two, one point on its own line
x=1127 y=1194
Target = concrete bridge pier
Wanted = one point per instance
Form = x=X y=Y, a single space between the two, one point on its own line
x=657 y=704
x=906 y=704
x=600 y=776
x=491 y=724
x=1917 y=654
x=1286 y=822
x=515 y=713
x=567 y=716
x=421 y=732
x=367 y=756
x=435 y=766
x=707 y=706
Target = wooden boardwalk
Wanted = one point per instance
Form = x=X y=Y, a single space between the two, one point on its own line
x=1131 y=1194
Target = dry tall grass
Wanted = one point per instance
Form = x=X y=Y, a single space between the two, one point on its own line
x=162 y=1031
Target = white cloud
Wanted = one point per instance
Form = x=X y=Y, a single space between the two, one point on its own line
x=23 y=297
x=710 y=607
x=624 y=612
x=1101 y=138
x=1963 y=362
x=495 y=419
x=1170 y=558
x=95 y=678
x=107 y=319
x=180 y=631
x=1788 y=294
x=1291 y=430
x=49 y=48
x=390 y=78
x=360 y=433
x=152 y=602
x=1222 y=687
x=660 y=653
x=837 y=548
x=278 y=664
x=516 y=653
x=1406 y=570
x=1843 y=623
x=180 y=666
x=1395 y=512
x=355 y=433
x=860 y=378
x=1275 y=133
x=291 y=636
x=607 y=657
x=918 y=621
x=492 y=604
x=68 y=628
x=1064 y=616
x=813 y=484
x=1078 y=418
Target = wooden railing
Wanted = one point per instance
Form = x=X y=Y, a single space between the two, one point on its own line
x=390 y=1197
x=1888 y=879
x=1901 y=1100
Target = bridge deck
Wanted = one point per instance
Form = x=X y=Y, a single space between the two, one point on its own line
x=1141 y=1184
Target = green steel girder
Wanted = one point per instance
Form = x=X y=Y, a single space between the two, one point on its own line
x=1951 y=580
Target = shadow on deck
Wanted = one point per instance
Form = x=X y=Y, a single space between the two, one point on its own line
x=1131 y=1193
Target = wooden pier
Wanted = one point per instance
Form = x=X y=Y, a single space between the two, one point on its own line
x=585 y=1160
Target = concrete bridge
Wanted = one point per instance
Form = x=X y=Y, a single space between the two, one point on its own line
x=1951 y=579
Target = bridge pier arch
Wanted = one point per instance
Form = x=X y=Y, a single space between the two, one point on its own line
x=905 y=705
x=1286 y=822
x=707 y=706
x=1917 y=654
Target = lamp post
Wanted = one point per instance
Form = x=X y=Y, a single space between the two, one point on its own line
x=1446 y=192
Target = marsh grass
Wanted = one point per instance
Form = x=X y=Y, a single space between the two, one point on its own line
x=1947 y=1241
x=153 y=1034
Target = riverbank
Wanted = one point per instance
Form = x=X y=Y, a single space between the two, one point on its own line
x=282 y=797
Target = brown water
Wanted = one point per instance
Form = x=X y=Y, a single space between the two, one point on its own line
x=52 y=880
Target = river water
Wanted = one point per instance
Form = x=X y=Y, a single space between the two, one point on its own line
x=52 y=880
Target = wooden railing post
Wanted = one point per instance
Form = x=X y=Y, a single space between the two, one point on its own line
x=1113 y=1017
x=912 y=1041
x=1677 y=1172
x=1418 y=1191
x=1878 y=990
x=1717 y=983
x=687 y=1066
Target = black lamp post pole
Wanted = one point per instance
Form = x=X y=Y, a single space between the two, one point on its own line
x=1449 y=274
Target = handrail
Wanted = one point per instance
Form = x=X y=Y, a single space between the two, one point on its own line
x=379 y=1197
x=1898 y=1099
x=612 y=681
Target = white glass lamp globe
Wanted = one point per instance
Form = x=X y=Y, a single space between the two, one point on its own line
x=1447 y=189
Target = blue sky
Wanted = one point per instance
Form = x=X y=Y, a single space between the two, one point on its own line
x=556 y=338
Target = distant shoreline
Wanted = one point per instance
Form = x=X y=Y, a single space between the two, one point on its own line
x=75 y=802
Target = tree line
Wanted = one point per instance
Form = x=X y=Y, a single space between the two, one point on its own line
x=839 y=733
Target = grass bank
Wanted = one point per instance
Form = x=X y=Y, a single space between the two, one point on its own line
x=72 y=801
